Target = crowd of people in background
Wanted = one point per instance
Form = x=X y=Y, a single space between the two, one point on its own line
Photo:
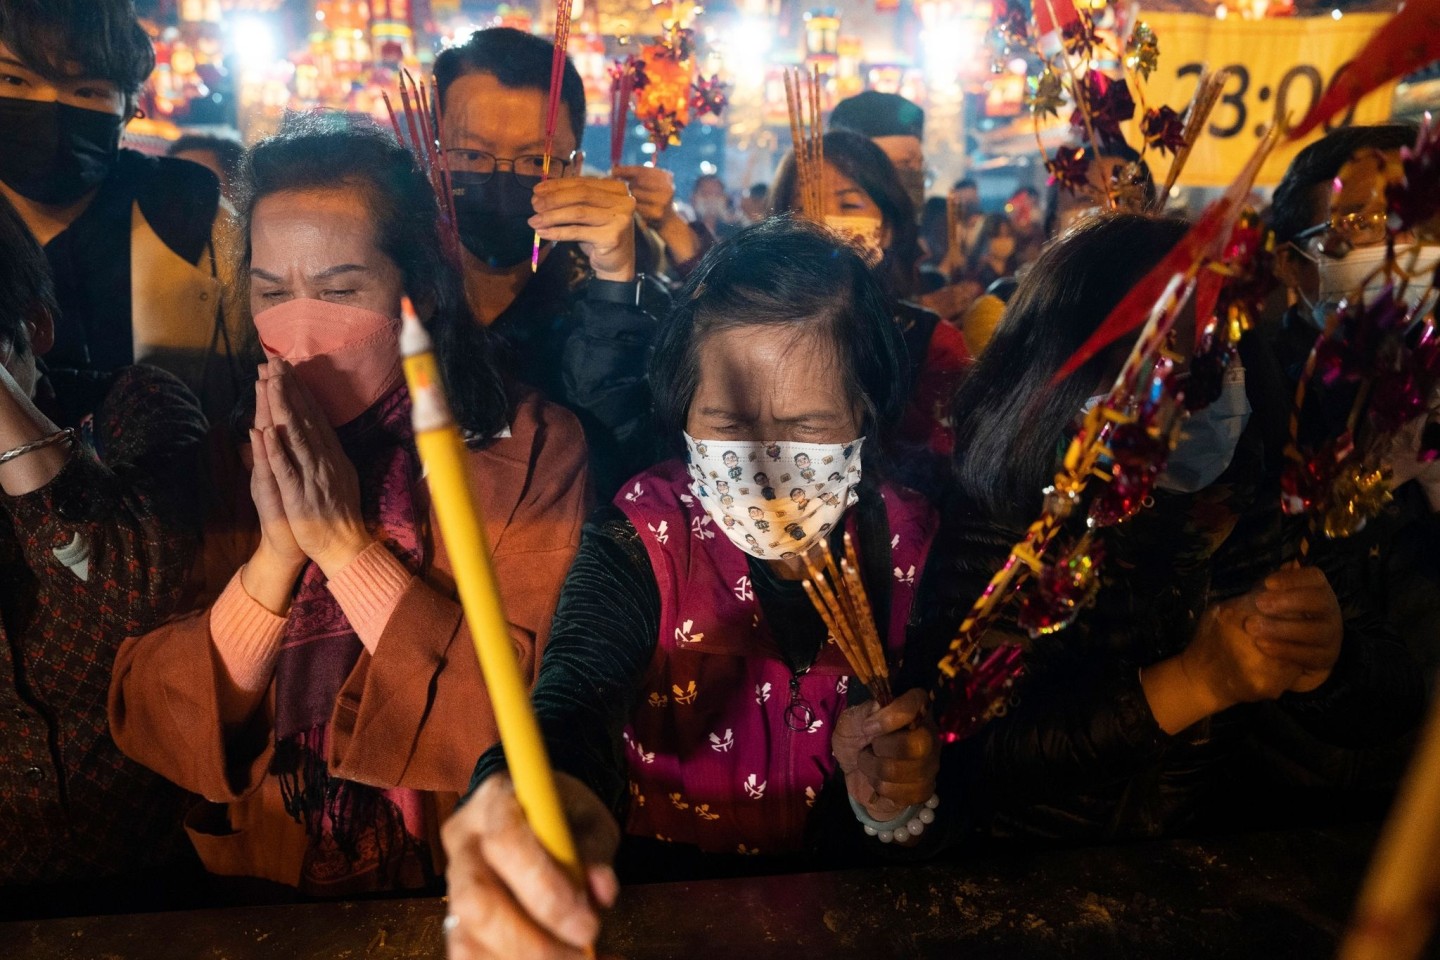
x=234 y=667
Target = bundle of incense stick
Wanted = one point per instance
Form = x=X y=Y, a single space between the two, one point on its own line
x=838 y=595
x=621 y=88
x=563 y=10
x=1207 y=94
x=802 y=96
x=417 y=127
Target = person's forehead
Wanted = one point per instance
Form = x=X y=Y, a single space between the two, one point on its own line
x=310 y=224
x=72 y=69
x=839 y=182
x=479 y=107
x=776 y=360
x=904 y=147
x=1361 y=181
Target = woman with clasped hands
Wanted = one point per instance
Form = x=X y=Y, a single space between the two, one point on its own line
x=327 y=702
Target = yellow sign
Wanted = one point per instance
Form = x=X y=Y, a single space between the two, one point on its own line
x=1276 y=65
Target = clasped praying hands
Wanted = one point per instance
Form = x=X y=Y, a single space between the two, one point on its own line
x=305 y=489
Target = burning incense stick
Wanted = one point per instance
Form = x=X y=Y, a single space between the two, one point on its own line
x=417 y=127
x=838 y=595
x=622 y=86
x=1395 y=912
x=1207 y=94
x=563 y=10
x=802 y=97
x=447 y=469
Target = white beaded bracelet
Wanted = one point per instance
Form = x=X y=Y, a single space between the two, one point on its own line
x=910 y=824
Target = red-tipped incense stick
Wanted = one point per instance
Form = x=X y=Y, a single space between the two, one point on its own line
x=563 y=10
x=417 y=127
x=621 y=88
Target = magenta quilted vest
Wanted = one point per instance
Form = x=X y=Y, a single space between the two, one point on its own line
x=727 y=750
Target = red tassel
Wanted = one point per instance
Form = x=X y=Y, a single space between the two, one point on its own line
x=1052 y=15
x=1205 y=240
x=1131 y=313
x=1408 y=41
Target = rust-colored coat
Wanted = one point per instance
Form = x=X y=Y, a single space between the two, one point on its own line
x=415 y=714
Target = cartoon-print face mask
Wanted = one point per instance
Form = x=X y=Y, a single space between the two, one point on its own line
x=737 y=483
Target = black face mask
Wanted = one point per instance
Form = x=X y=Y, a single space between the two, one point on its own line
x=492 y=216
x=55 y=153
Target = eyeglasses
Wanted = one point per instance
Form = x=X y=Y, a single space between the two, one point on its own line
x=485 y=165
x=1343 y=233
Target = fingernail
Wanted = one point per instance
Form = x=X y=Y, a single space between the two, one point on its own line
x=580 y=927
x=871 y=728
x=604 y=886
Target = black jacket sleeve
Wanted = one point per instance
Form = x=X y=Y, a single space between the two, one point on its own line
x=603 y=374
x=1080 y=723
x=1068 y=734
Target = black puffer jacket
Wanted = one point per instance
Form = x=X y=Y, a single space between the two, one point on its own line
x=1080 y=755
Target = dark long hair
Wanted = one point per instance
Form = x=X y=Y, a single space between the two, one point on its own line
x=786 y=272
x=1009 y=419
x=859 y=159
x=25 y=285
x=325 y=151
x=989 y=230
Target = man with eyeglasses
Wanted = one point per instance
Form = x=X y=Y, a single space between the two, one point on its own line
x=1329 y=217
x=128 y=237
x=578 y=328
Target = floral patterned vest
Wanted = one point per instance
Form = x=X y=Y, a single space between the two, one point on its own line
x=722 y=750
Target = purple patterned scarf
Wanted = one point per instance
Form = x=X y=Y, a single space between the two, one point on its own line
x=319 y=649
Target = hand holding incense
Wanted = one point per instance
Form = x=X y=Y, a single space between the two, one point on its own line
x=838 y=595
x=442 y=451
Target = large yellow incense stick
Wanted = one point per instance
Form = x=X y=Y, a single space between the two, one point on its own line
x=443 y=454
x=1395 y=914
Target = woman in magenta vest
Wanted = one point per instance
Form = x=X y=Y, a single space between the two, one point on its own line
x=688 y=696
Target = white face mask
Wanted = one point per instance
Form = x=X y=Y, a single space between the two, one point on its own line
x=1209 y=437
x=1342 y=279
x=866 y=234
x=774 y=500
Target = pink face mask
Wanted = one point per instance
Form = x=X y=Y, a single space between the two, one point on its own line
x=348 y=358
